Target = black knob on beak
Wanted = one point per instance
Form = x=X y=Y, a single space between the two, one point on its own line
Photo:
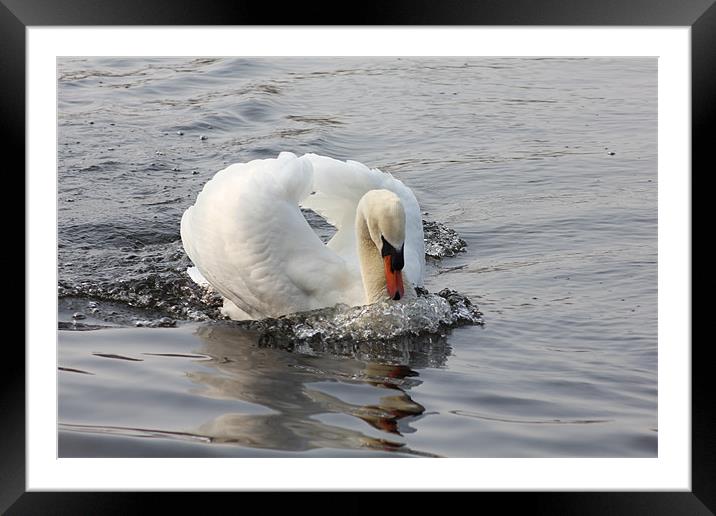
x=397 y=260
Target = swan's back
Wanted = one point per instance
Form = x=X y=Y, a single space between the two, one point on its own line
x=247 y=236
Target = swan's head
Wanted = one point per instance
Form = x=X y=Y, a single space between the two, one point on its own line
x=385 y=219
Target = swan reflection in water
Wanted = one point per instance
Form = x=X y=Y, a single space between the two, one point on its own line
x=284 y=377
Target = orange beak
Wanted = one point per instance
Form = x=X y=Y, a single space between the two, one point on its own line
x=393 y=280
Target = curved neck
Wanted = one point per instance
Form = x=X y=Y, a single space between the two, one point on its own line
x=371 y=263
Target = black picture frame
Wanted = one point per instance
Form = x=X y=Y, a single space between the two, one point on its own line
x=700 y=15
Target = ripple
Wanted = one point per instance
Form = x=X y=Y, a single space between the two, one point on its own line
x=523 y=421
x=317 y=120
x=117 y=357
x=73 y=370
x=134 y=432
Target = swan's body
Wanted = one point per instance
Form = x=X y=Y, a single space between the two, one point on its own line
x=247 y=237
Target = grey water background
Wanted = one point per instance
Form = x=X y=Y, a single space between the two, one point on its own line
x=547 y=168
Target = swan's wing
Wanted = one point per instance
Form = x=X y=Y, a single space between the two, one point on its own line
x=248 y=238
x=338 y=187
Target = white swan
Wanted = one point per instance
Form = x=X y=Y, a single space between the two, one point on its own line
x=247 y=237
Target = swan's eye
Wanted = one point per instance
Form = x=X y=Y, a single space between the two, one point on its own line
x=396 y=255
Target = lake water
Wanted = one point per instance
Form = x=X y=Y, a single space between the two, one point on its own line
x=547 y=168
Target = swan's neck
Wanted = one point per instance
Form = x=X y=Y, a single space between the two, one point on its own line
x=372 y=267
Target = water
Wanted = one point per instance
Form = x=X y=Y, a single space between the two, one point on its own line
x=545 y=168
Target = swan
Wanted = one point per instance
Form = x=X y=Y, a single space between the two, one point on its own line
x=248 y=239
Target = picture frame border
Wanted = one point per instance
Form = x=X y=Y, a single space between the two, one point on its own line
x=699 y=15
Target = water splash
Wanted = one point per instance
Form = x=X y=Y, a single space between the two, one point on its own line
x=150 y=278
x=429 y=314
x=441 y=241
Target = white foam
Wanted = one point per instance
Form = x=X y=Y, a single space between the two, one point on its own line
x=428 y=314
x=197 y=276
